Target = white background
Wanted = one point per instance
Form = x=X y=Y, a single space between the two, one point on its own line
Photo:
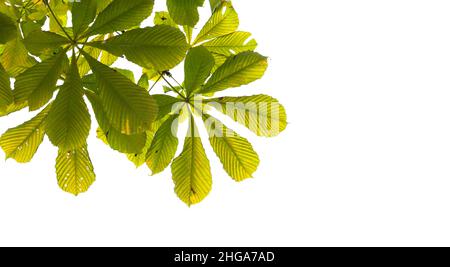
x=365 y=159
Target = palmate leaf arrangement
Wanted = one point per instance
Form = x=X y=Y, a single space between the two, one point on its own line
x=57 y=72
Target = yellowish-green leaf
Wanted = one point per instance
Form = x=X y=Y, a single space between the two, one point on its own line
x=184 y=12
x=9 y=11
x=138 y=158
x=83 y=65
x=15 y=58
x=8 y=29
x=215 y=3
x=22 y=142
x=167 y=104
x=123 y=143
x=74 y=170
x=191 y=171
x=232 y=44
x=13 y=107
x=164 y=146
x=236 y=153
x=69 y=122
x=40 y=42
x=6 y=94
x=163 y=18
x=83 y=13
x=262 y=114
x=121 y=15
x=60 y=8
x=107 y=58
x=197 y=68
x=223 y=21
x=129 y=108
x=37 y=84
x=161 y=47
x=219 y=60
x=102 y=4
x=239 y=70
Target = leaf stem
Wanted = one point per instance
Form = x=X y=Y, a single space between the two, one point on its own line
x=156 y=82
x=57 y=21
x=172 y=87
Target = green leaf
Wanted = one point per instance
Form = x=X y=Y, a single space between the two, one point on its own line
x=219 y=60
x=161 y=47
x=60 y=9
x=138 y=158
x=238 y=158
x=163 y=18
x=184 y=12
x=22 y=142
x=197 y=68
x=83 y=13
x=166 y=104
x=8 y=29
x=102 y=4
x=164 y=146
x=214 y=4
x=144 y=82
x=15 y=58
x=31 y=26
x=13 y=107
x=69 y=122
x=127 y=73
x=6 y=94
x=129 y=107
x=239 y=70
x=231 y=44
x=83 y=65
x=40 y=42
x=224 y=21
x=121 y=15
x=262 y=114
x=115 y=139
x=38 y=83
x=107 y=58
x=191 y=170
x=74 y=170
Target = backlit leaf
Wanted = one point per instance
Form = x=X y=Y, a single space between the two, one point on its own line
x=8 y=29
x=231 y=44
x=184 y=12
x=15 y=58
x=37 y=84
x=164 y=146
x=239 y=70
x=74 y=170
x=129 y=107
x=197 y=68
x=123 y=143
x=22 y=142
x=238 y=158
x=262 y=114
x=161 y=47
x=40 y=42
x=6 y=94
x=191 y=171
x=121 y=15
x=224 y=21
x=69 y=122
x=83 y=13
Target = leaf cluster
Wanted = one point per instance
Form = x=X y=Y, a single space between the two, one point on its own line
x=62 y=69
